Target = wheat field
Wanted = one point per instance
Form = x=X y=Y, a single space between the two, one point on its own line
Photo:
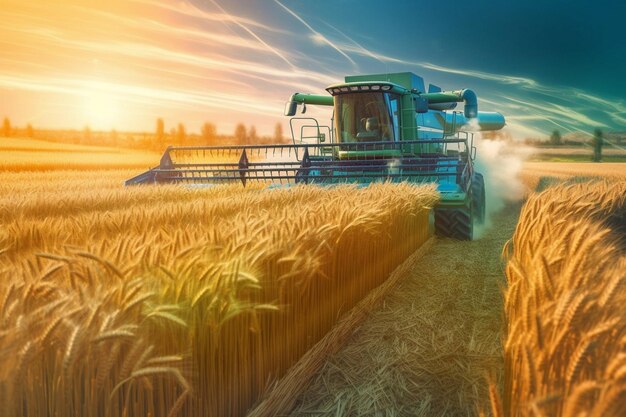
x=24 y=154
x=564 y=306
x=164 y=300
x=168 y=300
x=534 y=172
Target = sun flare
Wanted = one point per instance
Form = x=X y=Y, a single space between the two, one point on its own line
x=101 y=109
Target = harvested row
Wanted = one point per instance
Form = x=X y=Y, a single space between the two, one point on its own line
x=566 y=305
x=192 y=307
x=434 y=343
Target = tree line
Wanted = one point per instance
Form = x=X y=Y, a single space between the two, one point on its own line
x=209 y=135
x=8 y=130
x=159 y=139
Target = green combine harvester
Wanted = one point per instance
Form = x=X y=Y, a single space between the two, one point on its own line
x=384 y=127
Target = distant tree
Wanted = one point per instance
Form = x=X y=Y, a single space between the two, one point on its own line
x=555 y=138
x=160 y=132
x=252 y=137
x=113 y=137
x=278 y=133
x=30 y=133
x=181 y=134
x=6 y=127
x=209 y=133
x=241 y=135
x=597 y=142
x=87 y=134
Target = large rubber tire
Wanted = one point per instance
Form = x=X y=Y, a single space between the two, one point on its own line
x=455 y=223
x=479 y=203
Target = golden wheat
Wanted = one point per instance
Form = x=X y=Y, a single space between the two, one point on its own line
x=24 y=154
x=154 y=300
x=536 y=172
x=565 y=314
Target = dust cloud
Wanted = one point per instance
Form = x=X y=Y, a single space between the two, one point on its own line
x=501 y=166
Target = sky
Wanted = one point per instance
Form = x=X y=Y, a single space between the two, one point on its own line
x=120 y=64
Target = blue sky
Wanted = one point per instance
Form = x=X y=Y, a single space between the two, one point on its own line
x=120 y=64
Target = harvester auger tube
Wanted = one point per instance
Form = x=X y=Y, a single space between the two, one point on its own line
x=299 y=98
x=445 y=97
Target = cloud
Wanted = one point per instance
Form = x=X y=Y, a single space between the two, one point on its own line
x=360 y=49
x=192 y=55
x=559 y=112
x=155 y=28
x=125 y=92
x=506 y=79
x=254 y=35
x=188 y=9
x=171 y=56
x=317 y=36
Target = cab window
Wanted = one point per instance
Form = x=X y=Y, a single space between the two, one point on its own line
x=367 y=117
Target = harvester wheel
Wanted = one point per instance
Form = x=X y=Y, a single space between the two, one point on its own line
x=478 y=198
x=455 y=223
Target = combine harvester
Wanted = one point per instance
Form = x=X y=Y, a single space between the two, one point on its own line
x=384 y=127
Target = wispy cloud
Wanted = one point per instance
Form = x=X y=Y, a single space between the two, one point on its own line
x=317 y=35
x=501 y=78
x=203 y=59
x=360 y=48
x=254 y=35
x=125 y=92
x=188 y=9
x=148 y=56
x=559 y=112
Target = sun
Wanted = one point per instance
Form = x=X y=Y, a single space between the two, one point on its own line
x=101 y=108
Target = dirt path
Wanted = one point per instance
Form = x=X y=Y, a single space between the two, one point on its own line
x=428 y=350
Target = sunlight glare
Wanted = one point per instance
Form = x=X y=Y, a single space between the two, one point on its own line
x=101 y=108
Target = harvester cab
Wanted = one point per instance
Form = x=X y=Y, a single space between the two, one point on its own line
x=384 y=127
